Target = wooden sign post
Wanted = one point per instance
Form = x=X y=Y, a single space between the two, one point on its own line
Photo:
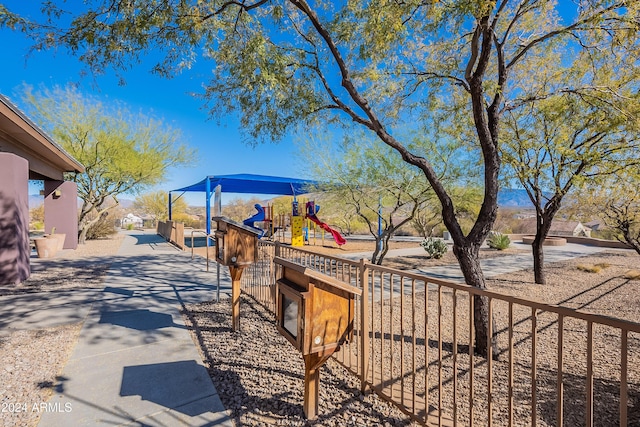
x=236 y=275
x=236 y=247
x=315 y=313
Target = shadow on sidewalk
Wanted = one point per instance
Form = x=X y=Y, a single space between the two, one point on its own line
x=168 y=384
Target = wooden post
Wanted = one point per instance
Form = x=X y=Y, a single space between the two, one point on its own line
x=312 y=364
x=236 y=275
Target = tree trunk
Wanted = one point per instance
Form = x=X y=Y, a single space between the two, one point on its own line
x=84 y=228
x=376 y=252
x=619 y=218
x=538 y=259
x=632 y=241
x=543 y=225
x=470 y=264
x=82 y=235
x=385 y=246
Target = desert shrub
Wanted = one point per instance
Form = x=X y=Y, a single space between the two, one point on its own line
x=593 y=268
x=129 y=227
x=606 y=234
x=436 y=248
x=498 y=241
x=37 y=214
x=187 y=220
x=101 y=229
x=589 y=268
x=632 y=275
x=37 y=225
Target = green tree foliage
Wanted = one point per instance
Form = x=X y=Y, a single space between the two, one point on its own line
x=282 y=205
x=156 y=204
x=240 y=209
x=122 y=152
x=373 y=183
x=188 y=220
x=618 y=198
x=563 y=140
x=378 y=64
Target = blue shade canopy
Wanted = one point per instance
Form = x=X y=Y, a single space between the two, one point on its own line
x=254 y=184
x=247 y=183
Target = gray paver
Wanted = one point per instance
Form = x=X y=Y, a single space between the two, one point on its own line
x=135 y=362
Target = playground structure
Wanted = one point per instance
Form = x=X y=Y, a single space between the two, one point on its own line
x=273 y=227
x=264 y=215
x=312 y=210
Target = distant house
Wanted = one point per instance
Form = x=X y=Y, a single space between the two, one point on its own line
x=569 y=228
x=558 y=228
x=524 y=215
x=132 y=219
x=596 y=225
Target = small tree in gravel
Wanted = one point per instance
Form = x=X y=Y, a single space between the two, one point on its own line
x=382 y=190
x=427 y=219
x=620 y=197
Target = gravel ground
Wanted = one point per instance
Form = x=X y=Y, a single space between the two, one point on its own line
x=31 y=360
x=261 y=392
x=84 y=268
x=259 y=374
x=608 y=293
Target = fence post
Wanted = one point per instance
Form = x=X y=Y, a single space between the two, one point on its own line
x=273 y=274
x=364 y=325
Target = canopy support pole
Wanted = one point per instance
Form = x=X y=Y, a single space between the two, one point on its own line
x=208 y=208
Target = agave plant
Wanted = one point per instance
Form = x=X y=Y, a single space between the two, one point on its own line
x=498 y=241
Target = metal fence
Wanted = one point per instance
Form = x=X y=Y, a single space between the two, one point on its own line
x=413 y=345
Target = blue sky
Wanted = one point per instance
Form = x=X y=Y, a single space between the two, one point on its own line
x=220 y=147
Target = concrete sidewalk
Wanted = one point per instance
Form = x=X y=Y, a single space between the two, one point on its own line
x=135 y=363
x=509 y=263
x=493 y=266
